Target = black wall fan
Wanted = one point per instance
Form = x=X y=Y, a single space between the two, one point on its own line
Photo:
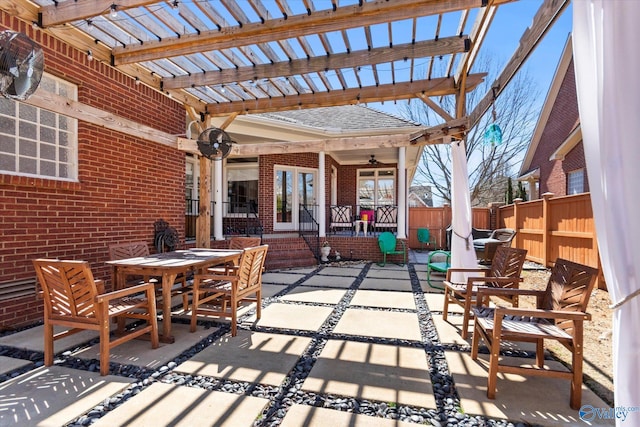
x=214 y=142
x=21 y=65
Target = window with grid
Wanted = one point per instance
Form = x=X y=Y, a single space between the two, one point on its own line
x=37 y=142
x=575 y=182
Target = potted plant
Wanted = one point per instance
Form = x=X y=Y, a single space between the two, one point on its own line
x=325 y=250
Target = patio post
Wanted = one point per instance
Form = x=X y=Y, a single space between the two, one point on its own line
x=217 y=198
x=321 y=195
x=402 y=193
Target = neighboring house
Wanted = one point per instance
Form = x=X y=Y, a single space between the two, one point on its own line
x=420 y=196
x=554 y=162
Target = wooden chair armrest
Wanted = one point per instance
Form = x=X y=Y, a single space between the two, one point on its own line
x=125 y=292
x=100 y=286
x=464 y=270
x=545 y=314
x=502 y=292
x=227 y=277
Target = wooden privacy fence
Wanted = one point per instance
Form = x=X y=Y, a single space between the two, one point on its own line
x=554 y=227
x=437 y=220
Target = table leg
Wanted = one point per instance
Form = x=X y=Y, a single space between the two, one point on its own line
x=365 y=225
x=167 y=283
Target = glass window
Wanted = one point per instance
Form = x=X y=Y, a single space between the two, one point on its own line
x=38 y=142
x=575 y=182
x=242 y=187
x=376 y=187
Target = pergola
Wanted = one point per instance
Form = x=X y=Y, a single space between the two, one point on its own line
x=224 y=58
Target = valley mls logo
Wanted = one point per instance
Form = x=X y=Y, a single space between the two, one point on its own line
x=589 y=413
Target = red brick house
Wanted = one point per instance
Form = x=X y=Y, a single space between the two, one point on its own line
x=554 y=162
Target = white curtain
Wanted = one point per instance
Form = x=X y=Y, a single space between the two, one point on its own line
x=462 y=252
x=607 y=61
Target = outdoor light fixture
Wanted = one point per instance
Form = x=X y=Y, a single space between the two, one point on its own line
x=89 y=56
x=114 y=10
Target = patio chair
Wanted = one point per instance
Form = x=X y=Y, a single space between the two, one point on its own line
x=220 y=294
x=389 y=246
x=73 y=299
x=439 y=266
x=237 y=243
x=386 y=217
x=504 y=273
x=341 y=217
x=141 y=249
x=486 y=247
x=559 y=315
x=424 y=238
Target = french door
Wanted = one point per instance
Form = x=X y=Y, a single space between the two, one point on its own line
x=292 y=187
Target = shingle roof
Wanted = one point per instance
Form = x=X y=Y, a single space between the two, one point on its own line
x=347 y=117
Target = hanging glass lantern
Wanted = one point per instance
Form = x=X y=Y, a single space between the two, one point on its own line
x=493 y=134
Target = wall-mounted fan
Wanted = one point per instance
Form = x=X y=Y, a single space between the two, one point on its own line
x=214 y=142
x=21 y=65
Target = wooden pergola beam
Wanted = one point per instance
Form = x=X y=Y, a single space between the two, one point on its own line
x=406 y=90
x=432 y=135
x=443 y=46
x=69 y=11
x=367 y=14
x=548 y=12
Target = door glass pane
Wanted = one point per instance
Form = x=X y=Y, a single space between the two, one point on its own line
x=305 y=189
x=284 y=196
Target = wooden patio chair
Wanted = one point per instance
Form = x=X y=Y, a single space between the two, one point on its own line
x=341 y=217
x=237 y=243
x=559 y=315
x=141 y=249
x=73 y=299
x=486 y=247
x=505 y=271
x=220 y=294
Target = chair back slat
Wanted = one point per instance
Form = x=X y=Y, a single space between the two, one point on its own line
x=251 y=265
x=128 y=250
x=507 y=262
x=386 y=215
x=69 y=289
x=244 y=242
x=569 y=289
x=341 y=215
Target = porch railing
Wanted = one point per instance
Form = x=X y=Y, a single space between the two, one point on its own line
x=238 y=219
x=309 y=228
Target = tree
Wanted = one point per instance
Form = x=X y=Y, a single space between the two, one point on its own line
x=521 y=193
x=508 y=195
x=489 y=165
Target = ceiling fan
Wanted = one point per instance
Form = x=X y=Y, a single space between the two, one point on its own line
x=373 y=161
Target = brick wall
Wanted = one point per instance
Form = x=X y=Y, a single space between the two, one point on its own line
x=562 y=121
x=124 y=183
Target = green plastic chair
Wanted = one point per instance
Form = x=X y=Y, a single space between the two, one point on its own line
x=388 y=242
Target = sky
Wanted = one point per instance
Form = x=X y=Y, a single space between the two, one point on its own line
x=510 y=22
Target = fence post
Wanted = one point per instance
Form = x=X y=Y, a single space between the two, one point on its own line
x=546 y=225
x=516 y=222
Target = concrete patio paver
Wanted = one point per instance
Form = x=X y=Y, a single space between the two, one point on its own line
x=329 y=281
x=8 y=364
x=352 y=271
x=53 y=396
x=290 y=316
x=531 y=399
x=173 y=405
x=33 y=339
x=388 y=274
x=139 y=352
x=281 y=278
x=313 y=294
x=378 y=323
x=310 y=416
x=373 y=371
x=389 y=284
x=387 y=299
x=249 y=356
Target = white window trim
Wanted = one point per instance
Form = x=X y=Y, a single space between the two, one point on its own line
x=375 y=178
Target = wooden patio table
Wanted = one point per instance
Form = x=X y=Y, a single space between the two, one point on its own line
x=169 y=265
